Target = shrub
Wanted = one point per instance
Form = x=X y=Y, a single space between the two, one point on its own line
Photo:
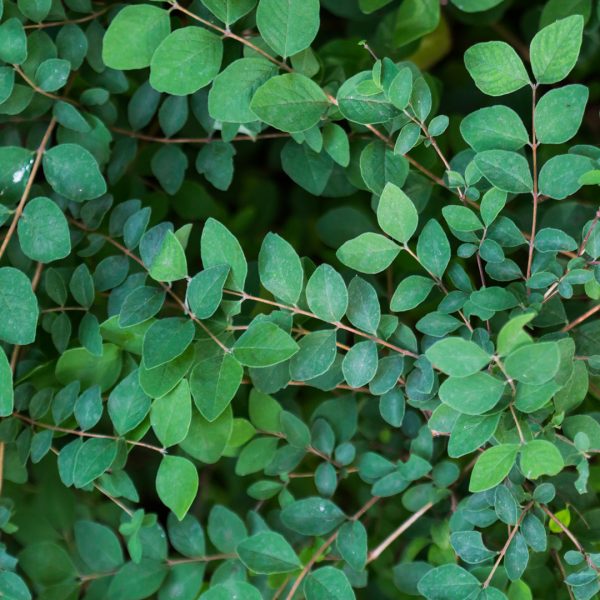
x=394 y=395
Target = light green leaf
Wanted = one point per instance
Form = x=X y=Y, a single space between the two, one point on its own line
x=268 y=552
x=206 y=441
x=470 y=547
x=128 y=404
x=507 y=171
x=214 y=382
x=186 y=60
x=205 y=291
x=470 y=433
x=362 y=108
x=363 y=309
x=533 y=363
x=288 y=27
x=326 y=294
x=290 y=102
x=494 y=128
x=218 y=246
x=312 y=516
x=540 y=457
x=17 y=300
x=554 y=50
x=264 y=344
x=560 y=176
x=492 y=467
x=177 y=484
x=328 y=583
x=170 y=263
x=360 y=364
x=166 y=339
x=44 y=231
x=472 y=395
x=93 y=458
x=133 y=36
x=496 y=68
x=171 y=415
x=559 y=112
x=368 y=253
x=229 y=11
x=461 y=218
x=317 y=353
x=410 y=292
x=233 y=89
x=280 y=269
x=396 y=214
x=443 y=356
x=73 y=172
x=433 y=248
x=448 y=582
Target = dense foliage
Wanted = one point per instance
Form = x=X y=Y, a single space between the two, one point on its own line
x=299 y=299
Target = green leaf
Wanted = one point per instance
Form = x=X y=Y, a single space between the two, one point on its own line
x=461 y=218
x=225 y=529
x=206 y=441
x=268 y=552
x=433 y=248
x=328 y=583
x=351 y=543
x=443 y=356
x=133 y=36
x=317 y=353
x=290 y=27
x=540 y=457
x=214 y=382
x=363 y=309
x=472 y=395
x=6 y=386
x=496 y=68
x=215 y=162
x=89 y=408
x=470 y=433
x=13 y=42
x=53 y=74
x=312 y=516
x=171 y=415
x=550 y=239
x=44 y=231
x=326 y=294
x=360 y=364
x=554 y=50
x=533 y=363
x=135 y=581
x=73 y=172
x=506 y=506
x=128 y=404
x=410 y=292
x=507 y=171
x=494 y=128
x=232 y=90
x=218 y=246
x=17 y=300
x=177 y=484
x=492 y=467
x=93 y=458
x=396 y=214
x=280 y=269
x=186 y=60
x=559 y=113
x=361 y=108
x=264 y=344
x=98 y=546
x=256 y=455
x=166 y=339
x=205 y=291
x=290 y=102
x=229 y=11
x=368 y=253
x=448 y=582
x=308 y=169
x=560 y=176
x=470 y=547
x=170 y=263
x=140 y=305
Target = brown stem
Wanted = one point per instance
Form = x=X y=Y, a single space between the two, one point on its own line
x=376 y=552
x=87 y=434
x=89 y=17
x=489 y=578
x=581 y=319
